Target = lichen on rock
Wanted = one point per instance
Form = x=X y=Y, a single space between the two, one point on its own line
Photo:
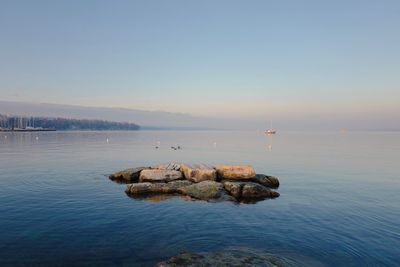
x=205 y=190
x=146 y=187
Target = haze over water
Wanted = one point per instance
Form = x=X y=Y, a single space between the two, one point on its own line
x=338 y=205
x=304 y=64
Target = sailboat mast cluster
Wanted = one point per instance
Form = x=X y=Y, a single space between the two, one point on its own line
x=19 y=124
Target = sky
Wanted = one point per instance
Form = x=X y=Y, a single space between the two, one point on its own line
x=229 y=59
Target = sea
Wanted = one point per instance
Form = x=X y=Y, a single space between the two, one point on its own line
x=339 y=201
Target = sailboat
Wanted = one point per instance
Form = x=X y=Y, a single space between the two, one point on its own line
x=270 y=130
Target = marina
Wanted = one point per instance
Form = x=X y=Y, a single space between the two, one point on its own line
x=20 y=124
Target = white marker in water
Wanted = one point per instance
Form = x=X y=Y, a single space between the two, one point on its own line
x=107 y=140
x=215 y=144
x=37 y=137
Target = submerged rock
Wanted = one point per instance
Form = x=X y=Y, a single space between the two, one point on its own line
x=266 y=180
x=205 y=190
x=198 y=173
x=226 y=172
x=128 y=175
x=225 y=258
x=159 y=175
x=148 y=188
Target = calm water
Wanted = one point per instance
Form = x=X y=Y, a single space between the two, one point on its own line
x=339 y=203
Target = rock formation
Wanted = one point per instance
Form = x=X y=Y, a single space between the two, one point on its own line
x=202 y=182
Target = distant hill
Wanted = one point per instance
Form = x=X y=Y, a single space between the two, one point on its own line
x=146 y=119
x=12 y=122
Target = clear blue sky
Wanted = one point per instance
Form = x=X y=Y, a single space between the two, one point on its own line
x=216 y=58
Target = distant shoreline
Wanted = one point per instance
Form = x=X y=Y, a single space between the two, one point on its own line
x=13 y=123
x=28 y=130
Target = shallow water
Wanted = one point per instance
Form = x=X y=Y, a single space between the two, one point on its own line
x=339 y=203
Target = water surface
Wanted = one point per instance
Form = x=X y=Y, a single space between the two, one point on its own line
x=339 y=203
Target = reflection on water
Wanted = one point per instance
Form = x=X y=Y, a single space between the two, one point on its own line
x=155 y=198
x=158 y=197
x=338 y=204
x=269 y=142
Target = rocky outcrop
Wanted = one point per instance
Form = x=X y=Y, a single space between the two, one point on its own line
x=198 y=173
x=128 y=175
x=237 y=183
x=159 y=175
x=226 y=172
x=232 y=257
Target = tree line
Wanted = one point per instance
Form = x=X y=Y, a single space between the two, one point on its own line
x=14 y=122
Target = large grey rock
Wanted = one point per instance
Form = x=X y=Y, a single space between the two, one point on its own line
x=205 y=190
x=128 y=175
x=148 y=188
x=254 y=190
x=266 y=180
x=198 y=173
x=235 y=172
x=248 y=190
x=157 y=175
x=225 y=258
x=234 y=188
